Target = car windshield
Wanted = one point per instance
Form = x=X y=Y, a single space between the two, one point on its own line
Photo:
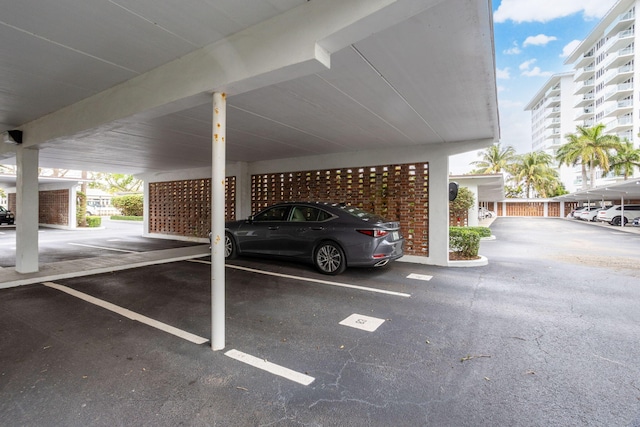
x=363 y=215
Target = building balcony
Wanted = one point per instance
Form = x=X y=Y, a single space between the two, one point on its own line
x=618 y=58
x=621 y=22
x=619 y=75
x=584 y=73
x=584 y=60
x=584 y=87
x=584 y=113
x=554 y=101
x=554 y=112
x=587 y=99
x=555 y=90
x=618 y=91
x=589 y=122
x=620 y=40
x=627 y=134
x=620 y=107
x=621 y=124
x=552 y=123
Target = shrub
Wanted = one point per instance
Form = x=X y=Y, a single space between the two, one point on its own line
x=464 y=241
x=130 y=205
x=482 y=231
x=463 y=202
x=94 y=221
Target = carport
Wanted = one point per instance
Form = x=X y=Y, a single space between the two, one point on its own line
x=625 y=192
x=152 y=88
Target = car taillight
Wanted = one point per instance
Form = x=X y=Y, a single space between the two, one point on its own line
x=374 y=232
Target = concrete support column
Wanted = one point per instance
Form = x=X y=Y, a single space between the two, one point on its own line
x=27 y=199
x=439 y=210
x=218 y=175
x=472 y=220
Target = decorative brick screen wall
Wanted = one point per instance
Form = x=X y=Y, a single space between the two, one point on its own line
x=553 y=209
x=183 y=208
x=53 y=207
x=525 y=209
x=396 y=192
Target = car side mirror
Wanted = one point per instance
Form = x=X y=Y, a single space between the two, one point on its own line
x=453 y=191
x=250 y=219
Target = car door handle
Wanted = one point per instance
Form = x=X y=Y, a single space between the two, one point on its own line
x=317 y=228
x=274 y=227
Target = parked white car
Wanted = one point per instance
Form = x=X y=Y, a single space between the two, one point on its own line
x=614 y=215
x=590 y=214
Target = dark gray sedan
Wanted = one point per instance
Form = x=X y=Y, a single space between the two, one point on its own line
x=331 y=236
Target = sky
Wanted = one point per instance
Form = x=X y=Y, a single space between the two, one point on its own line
x=532 y=40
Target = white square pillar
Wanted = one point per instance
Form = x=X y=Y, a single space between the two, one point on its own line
x=27 y=200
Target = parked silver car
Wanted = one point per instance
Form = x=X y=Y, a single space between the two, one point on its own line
x=331 y=236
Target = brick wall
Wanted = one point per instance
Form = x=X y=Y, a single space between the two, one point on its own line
x=183 y=208
x=396 y=192
x=53 y=207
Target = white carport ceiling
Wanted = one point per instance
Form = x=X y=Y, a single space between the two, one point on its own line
x=629 y=190
x=428 y=78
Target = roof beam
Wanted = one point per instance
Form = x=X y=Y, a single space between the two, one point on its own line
x=282 y=48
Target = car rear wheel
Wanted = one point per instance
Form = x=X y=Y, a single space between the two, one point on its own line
x=616 y=221
x=230 y=247
x=329 y=258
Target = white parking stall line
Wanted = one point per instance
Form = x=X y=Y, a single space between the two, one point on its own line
x=308 y=279
x=270 y=367
x=419 y=276
x=105 y=248
x=129 y=314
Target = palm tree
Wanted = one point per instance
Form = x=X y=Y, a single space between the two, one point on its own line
x=626 y=159
x=495 y=159
x=589 y=147
x=535 y=172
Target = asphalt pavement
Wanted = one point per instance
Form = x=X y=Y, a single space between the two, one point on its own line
x=545 y=335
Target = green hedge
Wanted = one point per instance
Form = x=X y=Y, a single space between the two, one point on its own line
x=465 y=241
x=130 y=205
x=126 y=218
x=94 y=221
x=482 y=231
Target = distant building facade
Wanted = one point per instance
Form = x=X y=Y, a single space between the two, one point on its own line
x=601 y=88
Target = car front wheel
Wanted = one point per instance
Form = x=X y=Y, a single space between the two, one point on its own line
x=329 y=258
x=616 y=221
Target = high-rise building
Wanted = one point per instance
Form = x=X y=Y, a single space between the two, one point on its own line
x=553 y=115
x=600 y=89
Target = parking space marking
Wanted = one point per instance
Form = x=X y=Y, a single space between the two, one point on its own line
x=360 y=321
x=105 y=248
x=270 y=367
x=419 y=276
x=129 y=314
x=308 y=279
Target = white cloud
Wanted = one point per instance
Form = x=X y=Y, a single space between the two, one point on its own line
x=548 y=10
x=514 y=50
x=526 y=64
x=569 y=48
x=536 y=72
x=503 y=74
x=539 y=40
x=527 y=71
x=501 y=89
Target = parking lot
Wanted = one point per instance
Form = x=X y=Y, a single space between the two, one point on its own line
x=546 y=334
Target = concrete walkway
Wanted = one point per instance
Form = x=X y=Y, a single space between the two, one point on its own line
x=98 y=265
